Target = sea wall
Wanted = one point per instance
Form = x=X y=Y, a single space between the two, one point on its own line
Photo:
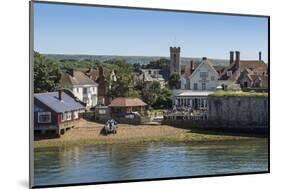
x=238 y=111
x=241 y=113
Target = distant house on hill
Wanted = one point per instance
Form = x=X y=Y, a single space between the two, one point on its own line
x=150 y=75
x=82 y=86
x=104 y=78
x=56 y=112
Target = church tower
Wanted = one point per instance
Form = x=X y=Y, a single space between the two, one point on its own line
x=175 y=60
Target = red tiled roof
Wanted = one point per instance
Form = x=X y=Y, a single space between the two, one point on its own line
x=252 y=64
x=78 y=78
x=94 y=74
x=258 y=67
x=126 y=102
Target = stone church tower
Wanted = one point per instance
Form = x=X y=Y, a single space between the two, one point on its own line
x=175 y=60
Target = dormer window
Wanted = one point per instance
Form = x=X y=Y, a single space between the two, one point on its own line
x=229 y=73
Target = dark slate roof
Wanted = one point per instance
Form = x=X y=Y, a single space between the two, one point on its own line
x=52 y=101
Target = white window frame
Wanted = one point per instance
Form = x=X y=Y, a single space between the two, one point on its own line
x=229 y=73
x=75 y=115
x=102 y=111
x=66 y=116
x=204 y=75
x=195 y=84
x=45 y=113
x=205 y=87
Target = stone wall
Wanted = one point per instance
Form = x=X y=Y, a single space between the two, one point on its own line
x=238 y=111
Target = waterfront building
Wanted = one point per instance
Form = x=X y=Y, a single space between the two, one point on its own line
x=56 y=112
x=81 y=86
x=191 y=99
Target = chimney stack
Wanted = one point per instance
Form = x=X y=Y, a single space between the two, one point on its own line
x=60 y=95
x=101 y=71
x=191 y=66
x=71 y=72
x=231 y=58
x=260 y=56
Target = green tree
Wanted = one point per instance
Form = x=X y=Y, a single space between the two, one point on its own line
x=162 y=63
x=174 y=81
x=164 y=100
x=150 y=92
x=47 y=74
x=124 y=86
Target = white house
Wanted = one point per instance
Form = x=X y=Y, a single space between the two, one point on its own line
x=204 y=77
x=198 y=81
x=84 y=88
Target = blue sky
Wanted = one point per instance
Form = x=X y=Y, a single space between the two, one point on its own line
x=68 y=29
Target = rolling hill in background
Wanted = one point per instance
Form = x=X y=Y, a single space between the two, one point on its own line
x=130 y=59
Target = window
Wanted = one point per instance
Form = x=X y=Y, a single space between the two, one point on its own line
x=85 y=90
x=203 y=75
x=229 y=73
x=75 y=115
x=203 y=86
x=212 y=78
x=66 y=116
x=195 y=86
x=102 y=111
x=44 y=117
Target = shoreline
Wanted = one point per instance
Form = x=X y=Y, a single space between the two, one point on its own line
x=89 y=133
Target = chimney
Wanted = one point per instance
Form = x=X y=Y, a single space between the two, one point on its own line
x=231 y=57
x=204 y=58
x=260 y=56
x=71 y=72
x=191 y=66
x=100 y=71
x=60 y=95
x=89 y=70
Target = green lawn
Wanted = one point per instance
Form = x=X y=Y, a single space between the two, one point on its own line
x=237 y=94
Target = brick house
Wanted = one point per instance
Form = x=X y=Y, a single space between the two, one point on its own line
x=103 y=77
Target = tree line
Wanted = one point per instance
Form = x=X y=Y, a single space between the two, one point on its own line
x=48 y=75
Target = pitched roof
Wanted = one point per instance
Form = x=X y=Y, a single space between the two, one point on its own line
x=51 y=100
x=76 y=78
x=255 y=66
x=187 y=66
x=94 y=73
x=126 y=102
x=209 y=64
x=262 y=78
x=252 y=64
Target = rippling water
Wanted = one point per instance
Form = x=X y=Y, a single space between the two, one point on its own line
x=95 y=163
